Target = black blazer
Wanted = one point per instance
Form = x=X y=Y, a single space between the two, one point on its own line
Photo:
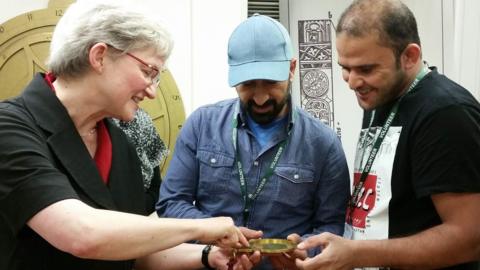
x=48 y=162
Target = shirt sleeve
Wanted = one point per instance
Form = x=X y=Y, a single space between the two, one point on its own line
x=446 y=152
x=332 y=196
x=29 y=179
x=178 y=189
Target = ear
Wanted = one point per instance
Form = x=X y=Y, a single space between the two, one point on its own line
x=96 y=56
x=293 y=65
x=411 y=56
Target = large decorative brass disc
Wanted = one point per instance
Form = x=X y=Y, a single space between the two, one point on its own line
x=24 y=45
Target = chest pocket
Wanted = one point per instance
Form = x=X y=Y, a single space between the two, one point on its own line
x=295 y=186
x=215 y=171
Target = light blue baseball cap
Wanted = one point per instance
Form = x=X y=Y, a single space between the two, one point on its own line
x=259 y=49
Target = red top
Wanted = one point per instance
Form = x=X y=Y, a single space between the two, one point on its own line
x=103 y=155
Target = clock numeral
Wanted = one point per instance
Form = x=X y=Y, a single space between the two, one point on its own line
x=175 y=97
x=59 y=12
x=29 y=17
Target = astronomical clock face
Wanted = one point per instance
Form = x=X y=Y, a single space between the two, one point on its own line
x=24 y=46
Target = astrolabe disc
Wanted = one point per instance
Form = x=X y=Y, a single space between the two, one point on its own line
x=268 y=246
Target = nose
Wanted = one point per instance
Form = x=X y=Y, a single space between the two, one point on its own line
x=151 y=91
x=260 y=99
x=354 y=80
x=260 y=96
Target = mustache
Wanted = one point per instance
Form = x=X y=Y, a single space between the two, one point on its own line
x=270 y=102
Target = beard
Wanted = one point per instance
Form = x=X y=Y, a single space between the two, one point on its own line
x=269 y=116
x=398 y=87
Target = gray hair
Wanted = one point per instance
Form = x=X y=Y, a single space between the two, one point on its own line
x=86 y=23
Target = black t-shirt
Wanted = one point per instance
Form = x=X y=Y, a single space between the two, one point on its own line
x=432 y=147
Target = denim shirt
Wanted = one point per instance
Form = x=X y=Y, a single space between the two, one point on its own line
x=307 y=194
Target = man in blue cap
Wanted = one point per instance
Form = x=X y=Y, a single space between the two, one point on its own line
x=258 y=158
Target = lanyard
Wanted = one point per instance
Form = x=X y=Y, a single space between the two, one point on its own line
x=250 y=198
x=378 y=142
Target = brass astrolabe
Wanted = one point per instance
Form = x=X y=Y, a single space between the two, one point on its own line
x=268 y=246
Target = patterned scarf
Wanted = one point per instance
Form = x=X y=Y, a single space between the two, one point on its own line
x=148 y=144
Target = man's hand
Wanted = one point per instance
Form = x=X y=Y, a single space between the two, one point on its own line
x=336 y=253
x=219 y=258
x=250 y=234
x=287 y=260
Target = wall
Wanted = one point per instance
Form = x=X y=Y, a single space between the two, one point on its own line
x=464 y=65
x=199 y=59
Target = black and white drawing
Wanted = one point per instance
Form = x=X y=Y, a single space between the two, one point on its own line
x=315 y=64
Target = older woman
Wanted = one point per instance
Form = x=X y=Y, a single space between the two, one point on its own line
x=71 y=189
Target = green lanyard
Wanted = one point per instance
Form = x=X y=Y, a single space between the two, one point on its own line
x=250 y=198
x=378 y=142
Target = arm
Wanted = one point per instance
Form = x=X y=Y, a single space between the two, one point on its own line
x=178 y=189
x=184 y=256
x=455 y=241
x=76 y=228
x=332 y=194
x=189 y=256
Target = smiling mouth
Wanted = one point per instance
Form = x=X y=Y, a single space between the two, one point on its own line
x=363 y=91
x=136 y=99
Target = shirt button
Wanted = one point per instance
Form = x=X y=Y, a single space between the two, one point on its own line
x=296 y=176
x=213 y=160
x=255 y=163
x=250 y=195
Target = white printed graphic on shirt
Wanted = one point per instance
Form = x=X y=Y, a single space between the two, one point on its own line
x=370 y=216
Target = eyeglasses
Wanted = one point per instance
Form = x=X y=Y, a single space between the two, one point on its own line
x=152 y=72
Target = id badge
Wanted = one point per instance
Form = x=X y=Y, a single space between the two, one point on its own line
x=348 y=231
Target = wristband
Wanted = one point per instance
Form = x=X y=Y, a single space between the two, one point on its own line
x=205 y=252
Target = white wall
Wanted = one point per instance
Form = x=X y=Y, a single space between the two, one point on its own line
x=9 y=11
x=465 y=64
x=213 y=22
x=199 y=59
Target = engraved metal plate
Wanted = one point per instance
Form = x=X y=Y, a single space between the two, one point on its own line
x=269 y=246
